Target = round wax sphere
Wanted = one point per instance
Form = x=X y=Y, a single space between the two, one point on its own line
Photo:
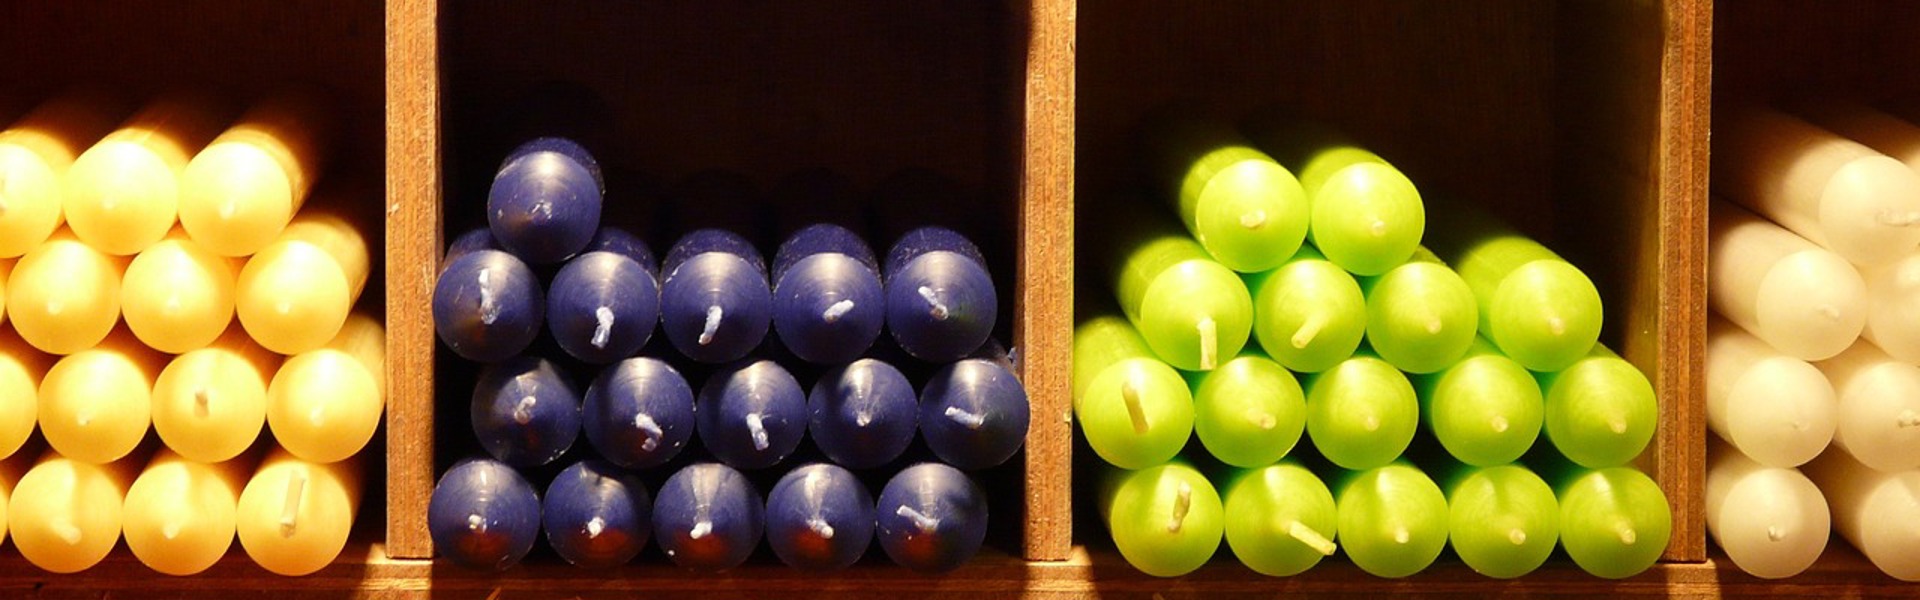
x=1192 y=311
x=1308 y=314
x=294 y=294
x=1248 y=211
x=544 y=204
x=294 y=516
x=210 y=404
x=35 y=153
x=64 y=296
x=1878 y=413
x=638 y=413
x=1614 y=522
x=1368 y=218
x=1249 y=412
x=863 y=415
x=708 y=517
x=819 y=518
x=941 y=303
x=1601 y=411
x=1421 y=316
x=1361 y=413
x=1166 y=520
x=525 y=411
x=596 y=515
x=1803 y=299
x=1280 y=519
x=324 y=405
x=123 y=194
x=602 y=307
x=751 y=415
x=1872 y=509
x=1136 y=413
x=828 y=305
x=715 y=305
x=974 y=414
x=239 y=191
x=1504 y=519
x=95 y=404
x=1485 y=410
x=179 y=515
x=487 y=306
x=931 y=518
x=177 y=295
x=483 y=515
x=1393 y=520
x=64 y=514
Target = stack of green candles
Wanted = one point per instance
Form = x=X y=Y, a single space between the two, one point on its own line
x=1310 y=305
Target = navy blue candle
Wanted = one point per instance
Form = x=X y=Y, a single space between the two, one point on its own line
x=473 y=240
x=483 y=515
x=597 y=515
x=974 y=414
x=545 y=201
x=862 y=415
x=708 y=517
x=820 y=518
x=931 y=517
x=715 y=304
x=525 y=412
x=751 y=414
x=487 y=306
x=638 y=413
x=827 y=302
x=941 y=304
x=603 y=306
x=624 y=243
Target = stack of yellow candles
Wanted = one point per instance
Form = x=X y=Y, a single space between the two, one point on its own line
x=164 y=271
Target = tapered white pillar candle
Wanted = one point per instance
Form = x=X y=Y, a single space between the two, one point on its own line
x=1835 y=192
x=123 y=194
x=1876 y=511
x=1771 y=521
x=1879 y=409
x=1775 y=408
x=1805 y=301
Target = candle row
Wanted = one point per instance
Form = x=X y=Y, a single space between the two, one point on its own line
x=707 y=516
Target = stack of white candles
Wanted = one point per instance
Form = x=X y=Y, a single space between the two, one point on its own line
x=1812 y=383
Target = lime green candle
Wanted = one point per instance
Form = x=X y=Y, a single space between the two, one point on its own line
x=1541 y=310
x=1600 y=411
x=1614 y=522
x=1280 y=519
x=1308 y=314
x=1192 y=311
x=1247 y=210
x=1503 y=520
x=1420 y=315
x=1364 y=213
x=1485 y=410
x=1361 y=413
x=1393 y=519
x=1135 y=410
x=1166 y=520
x=1249 y=412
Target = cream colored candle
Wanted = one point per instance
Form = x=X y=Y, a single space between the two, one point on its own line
x=240 y=191
x=1844 y=196
x=1772 y=521
x=95 y=404
x=1884 y=133
x=1775 y=408
x=177 y=296
x=179 y=515
x=1893 y=307
x=64 y=296
x=324 y=405
x=294 y=516
x=64 y=514
x=122 y=194
x=294 y=295
x=1879 y=409
x=11 y=470
x=21 y=368
x=210 y=404
x=1805 y=301
x=35 y=153
x=1876 y=511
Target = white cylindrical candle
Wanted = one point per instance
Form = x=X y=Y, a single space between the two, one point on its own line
x=1893 y=307
x=1801 y=299
x=1879 y=409
x=1837 y=193
x=64 y=296
x=1772 y=521
x=1775 y=408
x=1876 y=511
x=179 y=514
x=293 y=516
x=1884 y=133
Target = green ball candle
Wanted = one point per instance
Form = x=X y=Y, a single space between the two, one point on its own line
x=1503 y=519
x=1365 y=215
x=1421 y=316
x=1600 y=411
x=1243 y=207
x=1192 y=311
x=1102 y=339
x=1135 y=411
x=1166 y=520
x=1393 y=519
x=1280 y=519
x=1614 y=522
x=1485 y=410
x=1308 y=314
x=1249 y=412
x=1541 y=310
x=1361 y=413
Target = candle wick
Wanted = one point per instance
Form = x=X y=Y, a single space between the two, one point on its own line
x=937 y=308
x=1182 y=504
x=476 y=523
x=1254 y=220
x=1775 y=533
x=1556 y=325
x=54 y=307
x=820 y=527
x=712 y=326
x=542 y=209
x=1130 y=395
x=924 y=522
x=1627 y=535
x=172 y=307
x=758 y=429
x=1264 y=421
x=1401 y=535
x=66 y=530
x=1309 y=330
x=1371 y=422
x=603 y=326
x=489 y=306
x=228 y=208
x=1209 y=342
x=700 y=529
x=296 y=484
x=523 y=411
x=1434 y=325
x=1499 y=423
x=318 y=416
x=1897 y=218
x=595 y=526
x=1799 y=424
x=1517 y=536
x=202 y=402
x=837 y=310
x=1617 y=424
x=864 y=417
x=645 y=423
x=1379 y=228
x=1908 y=419
x=970 y=420
x=170 y=530
x=83 y=417
x=1313 y=539
x=284 y=307
x=1828 y=311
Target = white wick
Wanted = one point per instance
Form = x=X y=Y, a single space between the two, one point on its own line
x=965 y=418
x=1617 y=424
x=922 y=521
x=595 y=527
x=758 y=429
x=1517 y=536
x=936 y=308
x=1253 y=220
x=489 y=306
x=700 y=529
x=1264 y=421
x=714 y=313
x=228 y=208
x=1908 y=419
x=820 y=527
x=1130 y=395
x=603 y=326
x=839 y=309
x=864 y=417
x=1308 y=330
x=170 y=530
x=1313 y=539
x=1556 y=325
x=1434 y=325
x=1401 y=535
x=1209 y=340
x=476 y=523
x=1499 y=423
x=645 y=423
x=1775 y=533
x=1182 y=504
x=1378 y=229
x=1897 y=218
x=202 y=401
x=296 y=485
x=1627 y=536
x=523 y=412
x=1828 y=312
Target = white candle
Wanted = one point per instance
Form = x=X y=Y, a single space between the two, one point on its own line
x=1803 y=300
x=1775 y=408
x=1879 y=409
x=1772 y=521
x=1884 y=133
x=1837 y=193
x=1878 y=512
x=1893 y=307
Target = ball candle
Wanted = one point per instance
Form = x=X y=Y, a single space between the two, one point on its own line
x=1166 y=520
x=1835 y=192
x=179 y=515
x=294 y=516
x=596 y=515
x=210 y=404
x=1365 y=214
x=932 y=518
x=638 y=413
x=64 y=296
x=1873 y=510
x=1503 y=520
x=487 y=306
x=1248 y=211
x=296 y=292
x=246 y=185
x=64 y=514
x=545 y=201
x=1878 y=413
x=1800 y=298
x=1361 y=413
x=1601 y=411
x=123 y=194
x=1192 y=311
x=1776 y=409
x=819 y=518
x=1485 y=410
x=708 y=517
x=1309 y=314
x=483 y=515
x=1614 y=522
x=751 y=415
x=1771 y=521
x=35 y=154
x=602 y=307
x=715 y=305
x=324 y=405
x=827 y=301
x=525 y=412
x=1280 y=519
x=21 y=370
x=176 y=295
x=1541 y=311
x=1893 y=307
x=1249 y=412
x=95 y=404
x=1421 y=316
x=1135 y=411
x=1393 y=519
x=974 y=414
x=863 y=415
x=940 y=301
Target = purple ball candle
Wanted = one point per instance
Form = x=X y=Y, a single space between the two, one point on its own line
x=715 y=304
x=483 y=515
x=708 y=517
x=603 y=306
x=638 y=413
x=625 y=243
x=931 y=517
x=827 y=301
x=941 y=303
x=751 y=415
x=544 y=205
x=974 y=414
x=863 y=415
x=474 y=240
x=487 y=306
x=525 y=412
x=819 y=518
x=596 y=515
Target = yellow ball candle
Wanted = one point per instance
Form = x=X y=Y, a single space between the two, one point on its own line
x=210 y=404
x=176 y=295
x=324 y=405
x=294 y=516
x=21 y=368
x=122 y=194
x=296 y=293
x=240 y=192
x=95 y=404
x=64 y=296
x=64 y=514
x=35 y=153
x=179 y=514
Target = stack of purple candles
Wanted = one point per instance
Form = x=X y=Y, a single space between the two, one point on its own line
x=747 y=328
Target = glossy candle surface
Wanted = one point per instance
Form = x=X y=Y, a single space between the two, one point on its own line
x=863 y=415
x=1802 y=299
x=715 y=305
x=95 y=404
x=1393 y=520
x=596 y=515
x=1308 y=314
x=1614 y=522
x=21 y=370
x=1248 y=211
x=941 y=302
x=176 y=295
x=1775 y=408
x=1873 y=510
x=603 y=306
x=1192 y=311
x=64 y=514
x=1485 y=410
x=210 y=404
x=64 y=296
x=1166 y=520
x=828 y=305
x=294 y=516
x=483 y=515
x=246 y=185
x=819 y=518
x=296 y=292
x=1878 y=414
x=974 y=414
x=1421 y=316
x=638 y=413
x=525 y=411
x=178 y=518
x=1503 y=520
x=1541 y=311
x=123 y=194
x=1249 y=412
x=324 y=405
x=751 y=415
x=1771 y=521
x=35 y=153
x=1832 y=191
x=1361 y=413
x=1366 y=215
x=931 y=518
x=487 y=306
x=544 y=204
x=1601 y=411
x=708 y=517
x=1135 y=411
x=1280 y=519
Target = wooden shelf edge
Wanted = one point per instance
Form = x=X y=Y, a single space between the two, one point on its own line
x=412 y=253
